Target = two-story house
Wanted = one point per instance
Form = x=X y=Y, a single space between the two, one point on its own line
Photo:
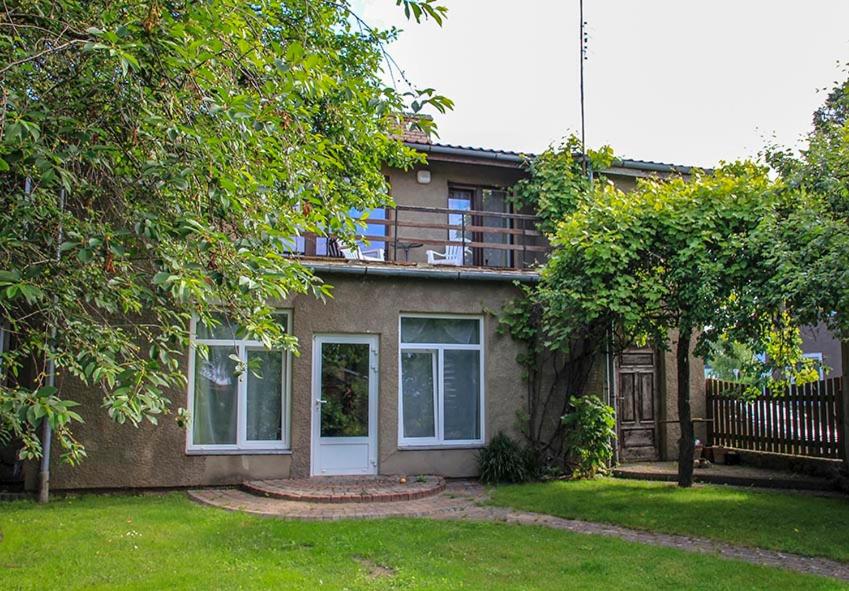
x=402 y=371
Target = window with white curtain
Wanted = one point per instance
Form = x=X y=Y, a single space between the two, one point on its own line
x=441 y=381
x=233 y=410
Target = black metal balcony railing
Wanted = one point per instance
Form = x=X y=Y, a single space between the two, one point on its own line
x=455 y=236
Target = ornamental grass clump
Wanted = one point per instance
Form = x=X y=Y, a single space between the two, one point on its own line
x=503 y=460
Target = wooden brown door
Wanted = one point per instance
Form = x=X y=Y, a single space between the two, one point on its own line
x=637 y=407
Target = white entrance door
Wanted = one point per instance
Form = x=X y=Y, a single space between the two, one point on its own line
x=344 y=418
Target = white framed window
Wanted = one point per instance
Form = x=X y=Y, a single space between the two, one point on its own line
x=818 y=358
x=245 y=413
x=440 y=381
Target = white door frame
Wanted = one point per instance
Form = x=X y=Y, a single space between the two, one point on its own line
x=316 y=440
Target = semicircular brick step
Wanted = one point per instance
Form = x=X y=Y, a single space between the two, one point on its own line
x=347 y=489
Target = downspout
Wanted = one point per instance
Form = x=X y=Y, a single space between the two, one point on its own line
x=47 y=432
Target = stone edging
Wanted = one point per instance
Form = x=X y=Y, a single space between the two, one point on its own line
x=365 y=491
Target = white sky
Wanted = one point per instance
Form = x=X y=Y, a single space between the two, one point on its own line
x=681 y=81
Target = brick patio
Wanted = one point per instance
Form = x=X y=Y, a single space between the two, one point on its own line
x=347 y=489
x=455 y=498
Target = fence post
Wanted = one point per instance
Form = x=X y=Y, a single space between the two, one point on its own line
x=395 y=234
x=710 y=388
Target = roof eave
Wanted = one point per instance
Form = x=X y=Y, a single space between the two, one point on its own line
x=622 y=167
x=470 y=155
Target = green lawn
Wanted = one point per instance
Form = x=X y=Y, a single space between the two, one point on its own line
x=166 y=542
x=792 y=522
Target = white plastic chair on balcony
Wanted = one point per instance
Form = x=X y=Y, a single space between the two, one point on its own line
x=358 y=254
x=453 y=255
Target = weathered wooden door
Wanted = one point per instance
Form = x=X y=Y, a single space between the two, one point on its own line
x=637 y=406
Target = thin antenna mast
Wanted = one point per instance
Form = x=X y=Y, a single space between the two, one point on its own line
x=583 y=58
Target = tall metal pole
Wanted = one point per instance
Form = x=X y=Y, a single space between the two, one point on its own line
x=583 y=58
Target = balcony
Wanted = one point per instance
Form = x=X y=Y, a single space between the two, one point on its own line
x=440 y=237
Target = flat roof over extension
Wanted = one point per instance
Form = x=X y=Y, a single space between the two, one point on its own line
x=416 y=270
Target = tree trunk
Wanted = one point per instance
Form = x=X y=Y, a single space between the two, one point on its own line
x=686 y=444
x=843 y=412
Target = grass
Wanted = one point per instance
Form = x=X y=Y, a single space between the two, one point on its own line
x=159 y=542
x=790 y=522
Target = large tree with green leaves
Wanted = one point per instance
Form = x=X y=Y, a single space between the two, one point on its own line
x=680 y=258
x=822 y=166
x=155 y=159
x=814 y=245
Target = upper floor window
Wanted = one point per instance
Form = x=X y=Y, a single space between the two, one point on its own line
x=487 y=224
x=233 y=410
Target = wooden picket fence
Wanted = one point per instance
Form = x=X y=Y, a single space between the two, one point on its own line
x=805 y=421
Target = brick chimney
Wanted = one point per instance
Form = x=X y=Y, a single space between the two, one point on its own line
x=411 y=132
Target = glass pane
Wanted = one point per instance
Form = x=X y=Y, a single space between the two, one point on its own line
x=344 y=389
x=371 y=229
x=226 y=329
x=417 y=380
x=462 y=395
x=265 y=396
x=215 y=401
x=456 y=331
x=294 y=244
x=458 y=199
x=495 y=201
x=321 y=247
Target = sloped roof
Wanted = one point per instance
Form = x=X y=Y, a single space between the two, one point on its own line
x=509 y=156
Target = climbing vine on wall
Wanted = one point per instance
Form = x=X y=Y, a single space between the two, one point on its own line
x=556 y=366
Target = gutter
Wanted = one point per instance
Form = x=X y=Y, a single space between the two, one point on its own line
x=519 y=159
x=467 y=152
x=387 y=271
x=654 y=167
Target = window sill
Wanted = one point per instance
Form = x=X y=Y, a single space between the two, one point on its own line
x=238 y=452
x=440 y=447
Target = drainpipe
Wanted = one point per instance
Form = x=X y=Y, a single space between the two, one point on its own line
x=47 y=432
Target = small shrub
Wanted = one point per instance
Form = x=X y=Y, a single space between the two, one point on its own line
x=590 y=430
x=503 y=460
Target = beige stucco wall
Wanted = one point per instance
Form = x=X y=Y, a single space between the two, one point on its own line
x=124 y=456
x=818 y=339
x=373 y=306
